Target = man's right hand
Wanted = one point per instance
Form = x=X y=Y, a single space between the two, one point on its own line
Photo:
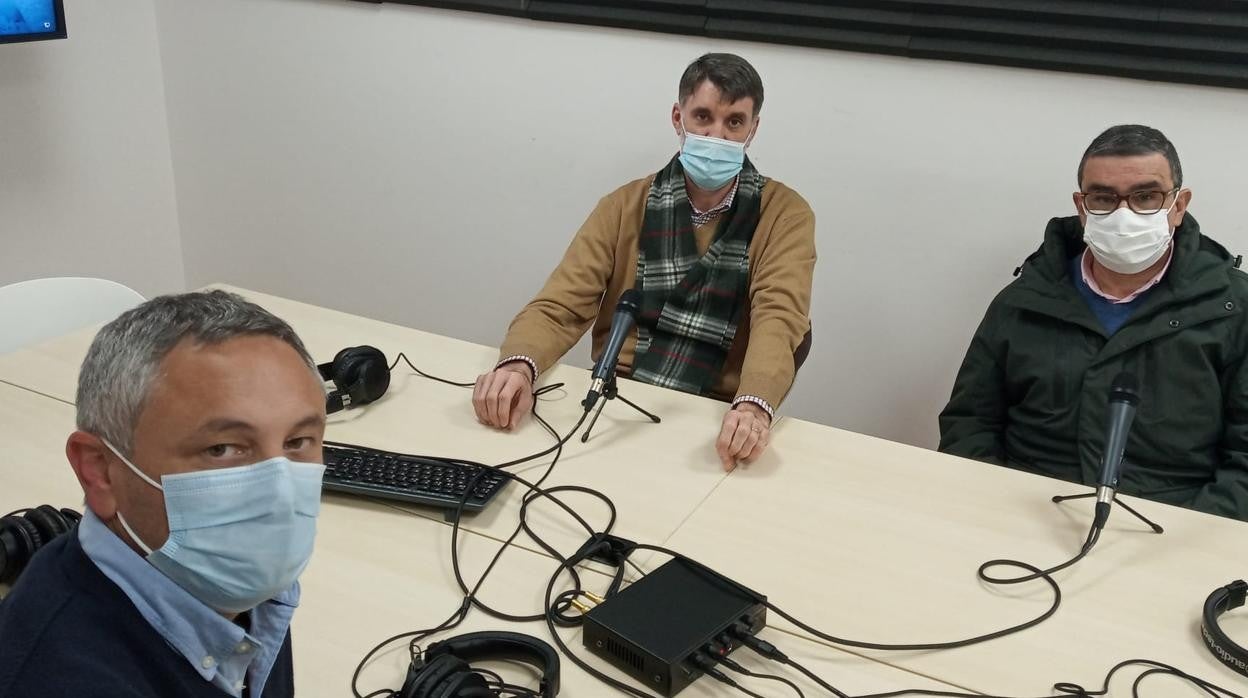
x=504 y=396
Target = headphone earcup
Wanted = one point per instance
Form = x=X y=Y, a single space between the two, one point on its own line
x=21 y=539
x=71 y=517
x=337 y=368
x=48 y=520
x=362 y=373
x=425 y=682
x=463 y=684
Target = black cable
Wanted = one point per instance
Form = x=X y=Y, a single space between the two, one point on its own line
x=790 y=662
x=732 y=665
x=707 y=665
x=422 y=374
x=745 y=690
x=566 y=564
x=816 y=678
x=470 y=599
x=1037 y=573
x=1135 y=685
x=533 y=487
x=454 y=620
x=1067 y=690
x=553 y=612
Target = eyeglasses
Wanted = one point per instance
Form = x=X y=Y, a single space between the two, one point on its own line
x=1101 y=203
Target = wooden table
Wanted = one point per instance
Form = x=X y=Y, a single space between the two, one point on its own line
x=864 y=538
x=423 y=416
x=379 y=571
x=879 y=542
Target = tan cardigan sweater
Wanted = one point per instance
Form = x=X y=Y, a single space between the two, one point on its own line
x=601 y=263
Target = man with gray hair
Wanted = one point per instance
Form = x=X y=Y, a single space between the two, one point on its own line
x=1128 y=285
x=722 y=259
x=200 y=421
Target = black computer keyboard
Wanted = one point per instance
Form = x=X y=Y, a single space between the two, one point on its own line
x=374 y=473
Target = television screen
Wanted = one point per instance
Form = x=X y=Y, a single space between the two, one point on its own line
x=31 y=20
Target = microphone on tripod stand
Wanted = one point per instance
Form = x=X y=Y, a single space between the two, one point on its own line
x=1124 y=396
x=621 y=324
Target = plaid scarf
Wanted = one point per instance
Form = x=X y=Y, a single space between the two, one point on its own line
x=691 y=305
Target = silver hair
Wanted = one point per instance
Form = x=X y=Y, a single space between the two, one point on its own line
x=124 y=359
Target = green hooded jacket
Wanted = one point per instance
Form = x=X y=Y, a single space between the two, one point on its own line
x=1033 y=389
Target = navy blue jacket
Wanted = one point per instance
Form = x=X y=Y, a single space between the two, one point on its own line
x=66 y=631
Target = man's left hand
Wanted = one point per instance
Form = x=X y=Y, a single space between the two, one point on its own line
x=744 y=435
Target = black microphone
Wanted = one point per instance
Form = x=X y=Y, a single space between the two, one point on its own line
x=621 y=325
x=1124 y=396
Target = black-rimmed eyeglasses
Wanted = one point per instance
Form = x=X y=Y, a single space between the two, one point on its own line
x=1145 y=202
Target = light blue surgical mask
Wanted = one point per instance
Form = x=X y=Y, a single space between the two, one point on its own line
x=237 y=536
x=711 y=162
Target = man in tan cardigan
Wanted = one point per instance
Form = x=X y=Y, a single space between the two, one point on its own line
x=726 y=258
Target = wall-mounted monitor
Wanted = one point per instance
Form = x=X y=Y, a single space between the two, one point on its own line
x=31 y=20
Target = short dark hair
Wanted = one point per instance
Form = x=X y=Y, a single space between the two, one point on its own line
x=732 y=74
x=1133 y=139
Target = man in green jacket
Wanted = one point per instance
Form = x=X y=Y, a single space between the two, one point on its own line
x=1130 y=284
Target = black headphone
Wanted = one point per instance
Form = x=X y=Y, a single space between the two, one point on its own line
x=444 y=672
x=360 y=376
x=24 y=531
x=1224 y=599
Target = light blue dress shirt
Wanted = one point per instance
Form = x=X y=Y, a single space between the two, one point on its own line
x=220 y=650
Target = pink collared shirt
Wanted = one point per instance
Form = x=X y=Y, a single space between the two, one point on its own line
x=1090 y=280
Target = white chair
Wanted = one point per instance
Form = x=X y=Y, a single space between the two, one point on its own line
x=39 y=309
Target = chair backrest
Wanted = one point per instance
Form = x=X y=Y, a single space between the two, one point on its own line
x=39 y=309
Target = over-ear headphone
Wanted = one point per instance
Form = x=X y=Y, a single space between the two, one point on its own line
x=24 y=531
x=444 y=671
x=360 y=376
x=1224 y=599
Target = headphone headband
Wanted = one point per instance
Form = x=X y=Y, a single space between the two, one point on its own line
x=1223 y=599
x=479 y=646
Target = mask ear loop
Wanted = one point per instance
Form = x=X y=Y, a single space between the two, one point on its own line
x=133 y=536
x=130 y=531
x=138 y=472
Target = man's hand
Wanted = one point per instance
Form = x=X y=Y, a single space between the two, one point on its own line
x=502 y=397
x=744 y=436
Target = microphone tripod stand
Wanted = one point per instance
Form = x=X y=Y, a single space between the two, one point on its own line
x=612 y=392
x=1067 y=497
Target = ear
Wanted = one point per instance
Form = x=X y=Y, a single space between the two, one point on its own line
x=1179 y=209
x=1078 y=201
x=90 y=459
x=676 y=122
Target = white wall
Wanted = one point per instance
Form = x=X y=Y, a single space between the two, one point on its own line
x=86 y=182
x=428 y=167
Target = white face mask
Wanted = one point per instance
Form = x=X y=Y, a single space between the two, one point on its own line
x=1128 y=242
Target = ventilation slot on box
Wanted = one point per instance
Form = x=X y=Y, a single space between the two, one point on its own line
x=625 y=655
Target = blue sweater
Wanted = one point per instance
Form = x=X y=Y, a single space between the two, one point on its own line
x=67 y=631
x=1112 y=316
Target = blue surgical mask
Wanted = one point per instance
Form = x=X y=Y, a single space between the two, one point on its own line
x=711 y=162
x=237 y=536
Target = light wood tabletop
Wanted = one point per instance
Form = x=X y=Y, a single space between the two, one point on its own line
x=863 y=538
x=379 y=571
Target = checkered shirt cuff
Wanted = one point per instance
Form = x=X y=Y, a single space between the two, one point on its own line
x=771 y=414
x=520 y=357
